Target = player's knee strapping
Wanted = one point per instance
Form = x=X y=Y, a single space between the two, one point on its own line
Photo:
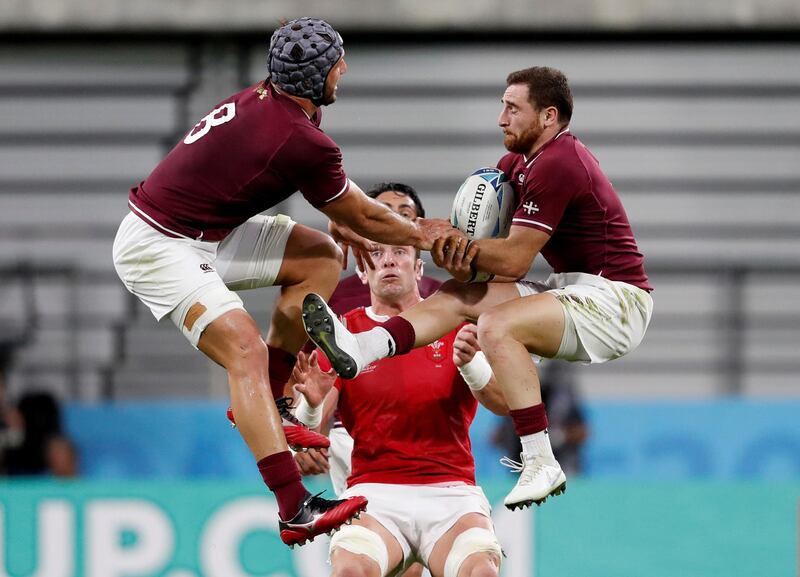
x=475 y=540
x=362 y=541
x=213 y=304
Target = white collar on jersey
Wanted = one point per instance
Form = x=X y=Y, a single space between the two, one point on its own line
x=375 y=316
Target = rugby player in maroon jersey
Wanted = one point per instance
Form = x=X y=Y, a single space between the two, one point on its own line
x=595 y=307
x=194 y=235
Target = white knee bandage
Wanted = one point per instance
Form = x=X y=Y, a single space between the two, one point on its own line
x=475 y=540
x=217 y=301
x=362 y=541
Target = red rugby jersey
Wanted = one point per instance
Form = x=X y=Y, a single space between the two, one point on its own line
x=409 y=415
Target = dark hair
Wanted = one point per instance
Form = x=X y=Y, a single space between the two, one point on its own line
x=546 y=87
x=405 y=189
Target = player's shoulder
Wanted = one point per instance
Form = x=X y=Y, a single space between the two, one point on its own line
x=507 y=162
x=309 y=140
x=561 y=158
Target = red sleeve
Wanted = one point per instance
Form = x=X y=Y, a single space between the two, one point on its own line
x=312 y=162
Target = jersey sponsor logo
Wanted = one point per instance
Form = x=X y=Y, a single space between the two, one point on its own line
x=205 y=267
x=530 y=208
x=370 y=368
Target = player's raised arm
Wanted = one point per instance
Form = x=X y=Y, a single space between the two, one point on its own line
x=374 y=221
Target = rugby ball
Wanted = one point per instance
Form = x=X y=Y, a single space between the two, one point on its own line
x=484 y=205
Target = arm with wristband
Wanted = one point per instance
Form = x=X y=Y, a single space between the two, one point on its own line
x=476 y=371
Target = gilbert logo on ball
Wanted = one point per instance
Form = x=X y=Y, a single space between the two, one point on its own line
x=484 y=205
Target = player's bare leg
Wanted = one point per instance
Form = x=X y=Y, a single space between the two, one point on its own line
x=311 y=262
x=347 y=563
x=234 y=341
x=508 y=334
x=453 y=304
x=484 y=561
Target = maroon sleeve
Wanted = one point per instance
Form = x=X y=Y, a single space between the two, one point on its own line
x=546 y=194
x=506 y=164
x=312 y=162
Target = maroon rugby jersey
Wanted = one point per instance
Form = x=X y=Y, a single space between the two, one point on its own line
x=409 y=415
x=563 y=192
x=254 y=150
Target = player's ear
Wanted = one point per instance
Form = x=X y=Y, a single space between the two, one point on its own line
x=362 y=276
x=550 y=115
x=419 y=268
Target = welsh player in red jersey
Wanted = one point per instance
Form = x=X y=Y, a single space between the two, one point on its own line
x=409 y=418
x=353 y=292
x=195 y=234
x=595 y=307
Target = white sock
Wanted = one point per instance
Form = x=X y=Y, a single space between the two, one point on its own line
x=375 y=344
x=537 y=444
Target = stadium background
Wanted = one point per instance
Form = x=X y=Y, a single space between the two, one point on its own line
x=693 y=109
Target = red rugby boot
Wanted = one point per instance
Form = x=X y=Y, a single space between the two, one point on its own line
x=318 y=516
x=298 y=436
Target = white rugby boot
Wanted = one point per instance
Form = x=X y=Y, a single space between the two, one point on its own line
x=327 y=332
x=539 y=478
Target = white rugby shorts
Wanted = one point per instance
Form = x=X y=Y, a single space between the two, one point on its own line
x=418 y=515
x=603 y=319
x=170 y=274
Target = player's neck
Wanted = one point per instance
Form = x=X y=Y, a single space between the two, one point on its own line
x=393 y=307
x=547 y=136
x=308 y=107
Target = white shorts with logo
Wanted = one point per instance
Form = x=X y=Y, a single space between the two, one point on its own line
x=418 y=515
x=169 y=275
x=603 y=319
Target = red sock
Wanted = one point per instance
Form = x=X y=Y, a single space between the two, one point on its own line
x=281 y=364
x=403 y=334
x=529 y=420
x=281 y=475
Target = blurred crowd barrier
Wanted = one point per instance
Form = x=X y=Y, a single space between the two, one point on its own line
x=220 y=529
x=707 y=440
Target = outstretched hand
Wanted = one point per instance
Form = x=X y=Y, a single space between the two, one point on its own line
x=313 y=461
x=465 y=345
x=309 y=379
x=347 y=239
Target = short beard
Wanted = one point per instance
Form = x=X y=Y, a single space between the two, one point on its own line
x=525 y=142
